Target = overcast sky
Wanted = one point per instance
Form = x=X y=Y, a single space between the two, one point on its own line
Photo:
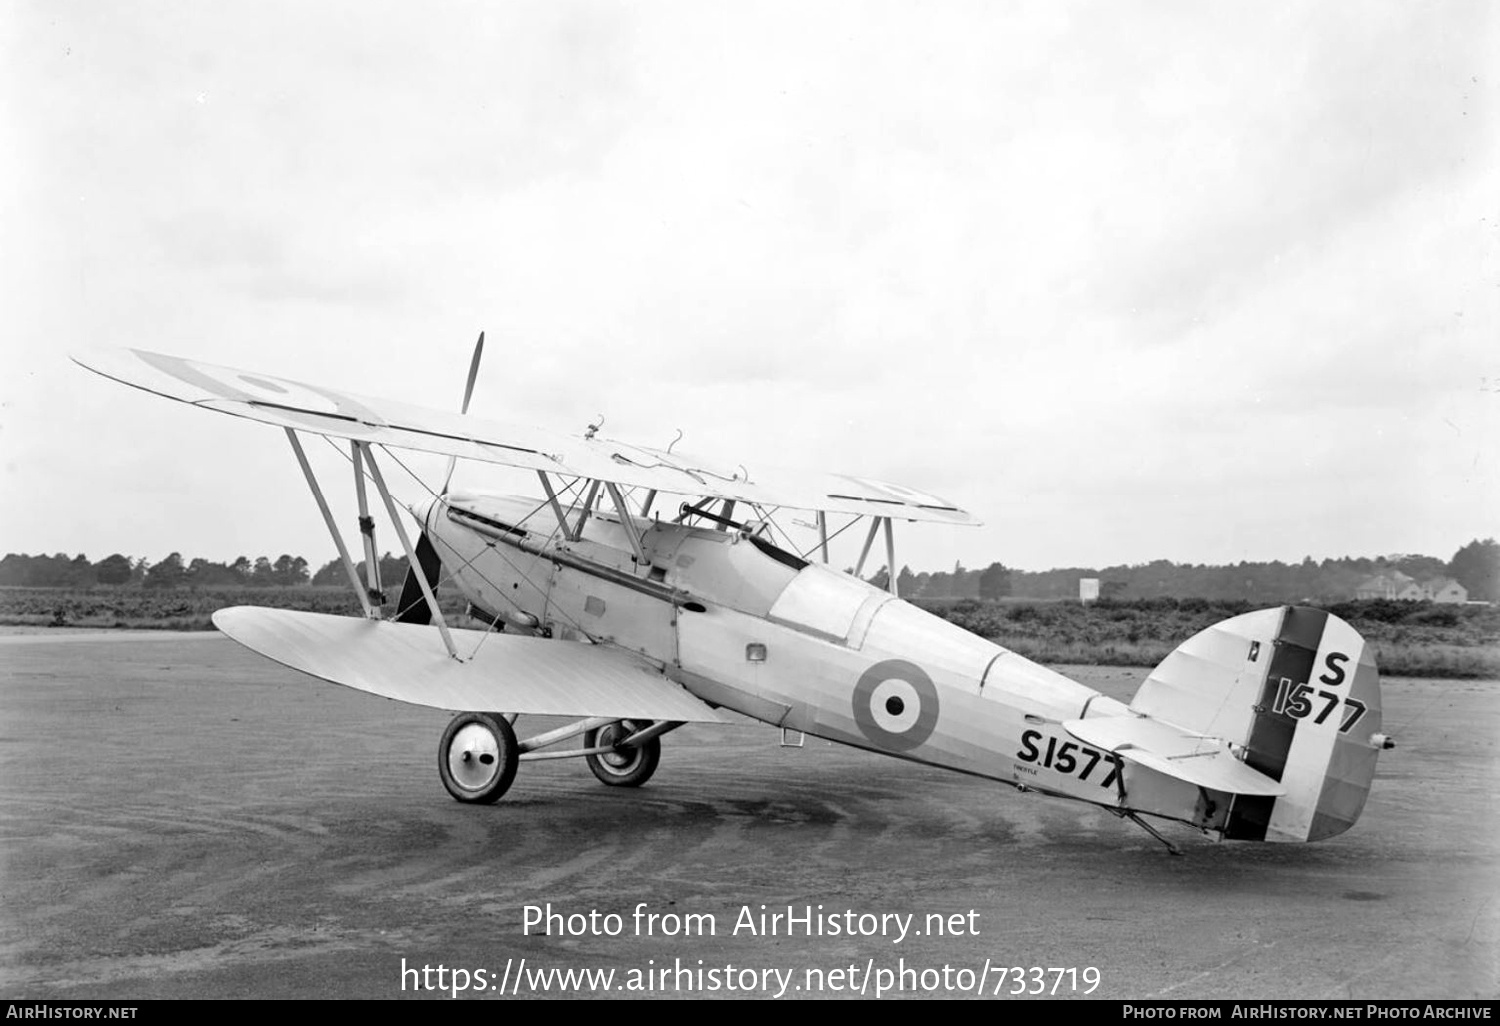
x=1128 y=281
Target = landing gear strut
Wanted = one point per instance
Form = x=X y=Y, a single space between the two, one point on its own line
x=1172 y=849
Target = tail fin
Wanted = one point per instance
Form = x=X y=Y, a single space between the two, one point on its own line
x=1295 y=692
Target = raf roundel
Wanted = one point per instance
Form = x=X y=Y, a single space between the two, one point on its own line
x=896 y=705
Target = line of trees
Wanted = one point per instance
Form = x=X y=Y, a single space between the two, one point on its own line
x=1476 y=566
x=118 y=570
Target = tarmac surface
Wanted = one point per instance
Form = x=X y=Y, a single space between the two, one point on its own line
x=180 y=818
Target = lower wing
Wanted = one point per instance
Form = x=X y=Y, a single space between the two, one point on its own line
x=505 y=673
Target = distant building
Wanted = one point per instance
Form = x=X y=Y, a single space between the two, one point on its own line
x=1411 y=591
x=1387 y=586
x=1447 y=590
x=1400 y=587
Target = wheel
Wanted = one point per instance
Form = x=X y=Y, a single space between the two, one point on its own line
x=623 y=767
x=477 y=757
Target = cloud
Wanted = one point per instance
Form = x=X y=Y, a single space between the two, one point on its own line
x=1086 y=270
x=256 y=260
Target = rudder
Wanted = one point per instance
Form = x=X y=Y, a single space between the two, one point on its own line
x=1296 y=693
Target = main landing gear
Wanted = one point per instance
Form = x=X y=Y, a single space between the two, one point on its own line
x=479 y=752
x=616 y=764
x=477 y=757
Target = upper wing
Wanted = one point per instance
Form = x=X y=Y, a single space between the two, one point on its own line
x=327 y=411
x=506 y=673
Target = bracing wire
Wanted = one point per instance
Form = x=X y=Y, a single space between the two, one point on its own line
x=479 y=573
x=817 y=545
x=449 y=574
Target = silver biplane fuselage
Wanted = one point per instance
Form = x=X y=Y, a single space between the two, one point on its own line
x=748 y=626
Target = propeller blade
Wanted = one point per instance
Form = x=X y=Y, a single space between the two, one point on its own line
x=468 y=394
x=473 y=373
x=412 y=606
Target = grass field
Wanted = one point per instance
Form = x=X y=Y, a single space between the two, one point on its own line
x=175 y=609
x=1410 y=639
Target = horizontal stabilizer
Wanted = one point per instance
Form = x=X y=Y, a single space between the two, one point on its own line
x=1205 y=762
x=500 y=672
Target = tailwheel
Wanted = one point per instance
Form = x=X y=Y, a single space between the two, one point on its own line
x=622 y=767
x=477 y=757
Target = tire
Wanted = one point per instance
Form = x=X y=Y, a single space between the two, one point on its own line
x=623 y=767
x=477 y=757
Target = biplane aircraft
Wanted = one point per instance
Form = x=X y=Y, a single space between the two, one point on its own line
x=632 y=613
